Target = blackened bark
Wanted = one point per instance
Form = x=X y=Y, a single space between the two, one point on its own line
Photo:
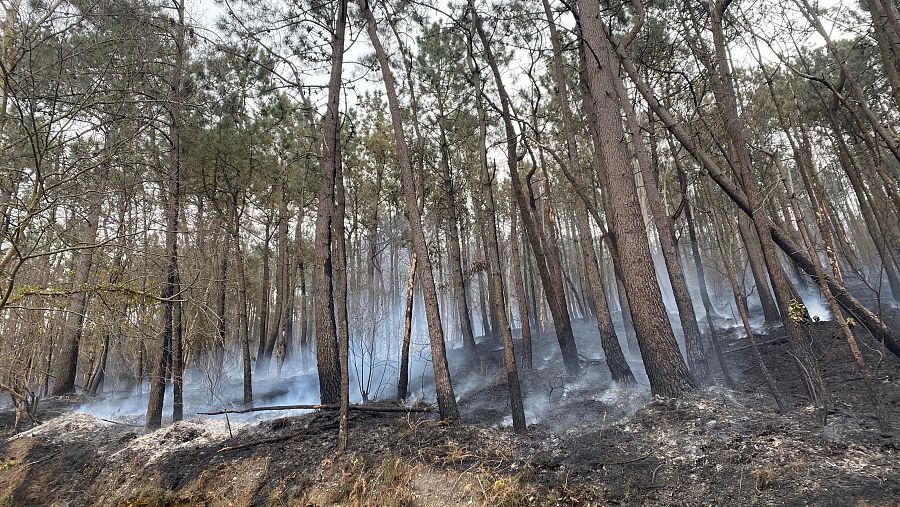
x=327 y=353
x=403 y=381
x=173 y=199
x=262 y=360
x=519 y=284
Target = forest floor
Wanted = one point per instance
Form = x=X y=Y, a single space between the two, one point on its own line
x=588 y=443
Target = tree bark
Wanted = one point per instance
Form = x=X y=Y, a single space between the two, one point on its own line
x=498 y=301
x=67 y=359
x=403 y=380
x=443 y=383
x=327 y=347
x=244 y=307
x=553 y=289
x=339 y=249
x=615 y=359
x=665 y=367
x=262 y=360
x=519 y=284
x=173 y=199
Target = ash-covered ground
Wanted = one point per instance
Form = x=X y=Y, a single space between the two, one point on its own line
x=589 y=443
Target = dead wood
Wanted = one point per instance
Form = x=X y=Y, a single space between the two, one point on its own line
x=358 y=408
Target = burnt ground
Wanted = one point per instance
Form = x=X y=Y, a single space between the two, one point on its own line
x=588 y=443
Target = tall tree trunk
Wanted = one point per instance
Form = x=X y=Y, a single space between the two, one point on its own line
x=552 y=287
x=459 y=284
x=327 y=348
x=726 y=99
x=498 y=301
x=244 y=308
x=304 y=320
x=758 y=270
x=725 y=247
x=173 y=200
x=276 y=334
x=665 y=367
x=178 y=357
x=443 y=383
x=866 y=317
x=339 y=249
x=832 y=303
x=708 y=308
x=696 y=353
x=67 y=358
x=262 y=361
x=615 y=359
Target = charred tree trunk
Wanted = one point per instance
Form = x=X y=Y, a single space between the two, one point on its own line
x=339 y=249
x=244 y=303
x=519 y=284
x=553 y=289
x=459 y=283
x=173 y=199
x=262 y=361
x=327 y=347
x=403 y=381
x=178 y=358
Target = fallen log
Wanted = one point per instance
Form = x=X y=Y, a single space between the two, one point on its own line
x=358 y=408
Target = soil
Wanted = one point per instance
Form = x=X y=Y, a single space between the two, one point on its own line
x=589 y=443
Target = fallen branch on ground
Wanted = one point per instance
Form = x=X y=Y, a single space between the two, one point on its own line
x=776 y=340
x=358 y=408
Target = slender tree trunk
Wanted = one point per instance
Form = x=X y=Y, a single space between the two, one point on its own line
x=276 y=334
x=498 y=301
x=244 y=307
x=304 y=320
x=723 y=89
x=758 y=270
x=67 y=358
x=339 y=249
x=832 y=303
x=262 y=360
x=443 y=383
x=692 y=237
x=459 y=284
x=220 y=347
x=178 y=357
x=553 y=289
x=615 y=359
x=725 y=247
x=403 y=381
x=519 y=284
x=173 y=199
